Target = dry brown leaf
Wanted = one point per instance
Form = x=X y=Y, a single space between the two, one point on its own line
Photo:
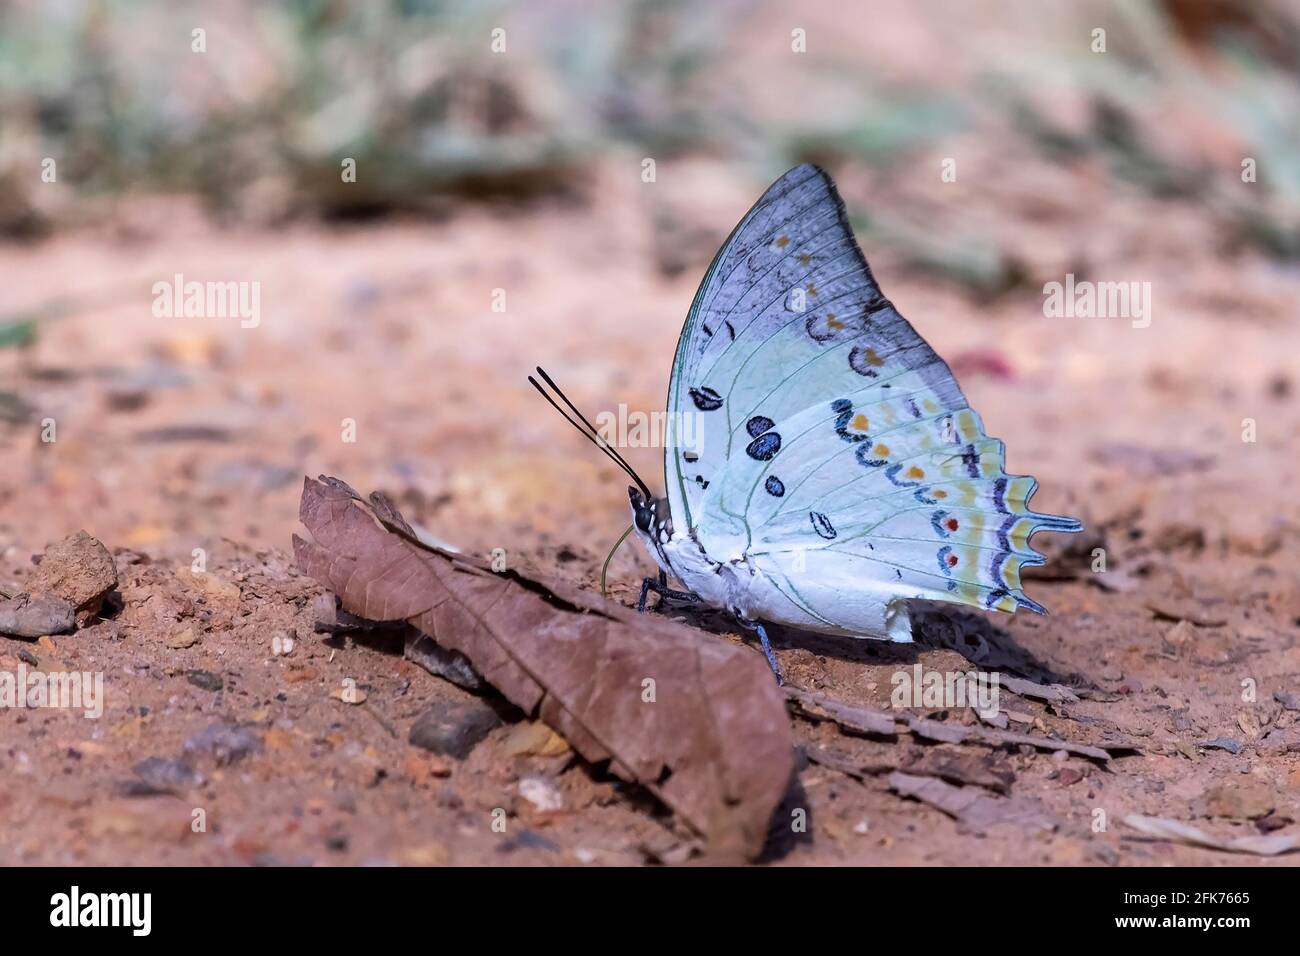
x=968 y=769
x=714 y=743
x=1055 y=693
x=954 y=734
x=971 y=805
x=868 y=720
x=865 y=720
x=957 y=767
x=1162 y=828
x=533 y=739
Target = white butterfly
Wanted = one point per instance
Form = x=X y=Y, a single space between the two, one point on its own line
x=837 y=470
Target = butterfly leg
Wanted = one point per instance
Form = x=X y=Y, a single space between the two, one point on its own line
x=646 y=585
x=661 y=588
x=767 y=648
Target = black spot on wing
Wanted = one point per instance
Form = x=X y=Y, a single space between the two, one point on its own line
x=821 y=524
x=774 y=486
x=706 y=399
x=764 y=446
x=758 y=424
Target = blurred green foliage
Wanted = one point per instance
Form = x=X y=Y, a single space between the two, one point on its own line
x=260 y=124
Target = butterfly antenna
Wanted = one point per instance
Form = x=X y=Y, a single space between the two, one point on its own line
x=589 y=432
x=583 y=418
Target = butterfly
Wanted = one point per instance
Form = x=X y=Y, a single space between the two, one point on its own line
x=835 y=470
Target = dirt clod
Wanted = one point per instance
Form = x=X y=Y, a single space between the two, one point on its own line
x=1238 y=800
x=77 y=569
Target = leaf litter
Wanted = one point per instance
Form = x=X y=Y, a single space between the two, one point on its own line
x=867 y=720
x=711 y=741
x=971 y=805
x=696 y=721
x=1161 y=828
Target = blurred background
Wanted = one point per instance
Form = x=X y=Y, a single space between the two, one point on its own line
x=503 y=215
x=500 y=218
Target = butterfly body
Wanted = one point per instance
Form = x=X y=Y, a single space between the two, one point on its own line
x=836 y=470
x=746 y=586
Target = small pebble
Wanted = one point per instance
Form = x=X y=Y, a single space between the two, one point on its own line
x=541 y=793
x=226 y=742
x=452 y=728
x=206 y=680
x=161 y=775
x=282 y=644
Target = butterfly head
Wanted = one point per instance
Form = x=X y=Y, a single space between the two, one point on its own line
x=650 y=515
x=653 y=522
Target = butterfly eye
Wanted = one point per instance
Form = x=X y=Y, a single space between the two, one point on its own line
x=643 y=516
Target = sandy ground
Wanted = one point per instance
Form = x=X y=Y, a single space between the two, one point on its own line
x=181 y=434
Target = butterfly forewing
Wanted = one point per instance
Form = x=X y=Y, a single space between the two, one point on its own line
x=834 y=448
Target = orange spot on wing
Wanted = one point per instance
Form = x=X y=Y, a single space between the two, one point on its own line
x=860 y=422
x=882 y=450
x=952 y=560
x=915 y=472
x=805 y=259
x=874 y=359
x=782 y=241
x=832 y=322
x=940 y=493
x=951 y=524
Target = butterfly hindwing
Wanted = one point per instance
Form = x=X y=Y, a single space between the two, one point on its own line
x=826 y=425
